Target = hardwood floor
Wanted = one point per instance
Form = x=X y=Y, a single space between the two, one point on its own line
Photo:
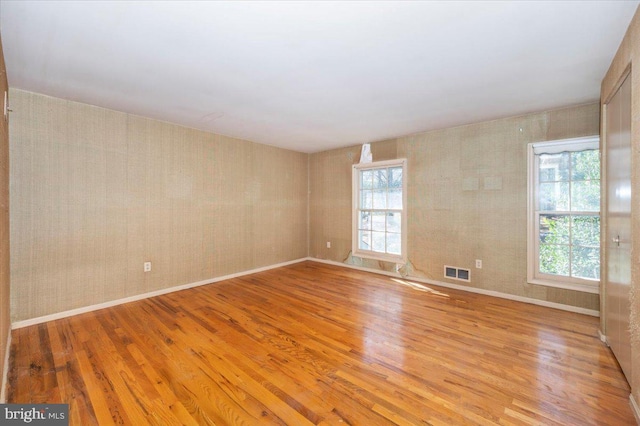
x=317 y=344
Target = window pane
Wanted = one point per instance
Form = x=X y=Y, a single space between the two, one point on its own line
x=365 y=220
x=394 y=221
x=585 y=231
x=378 y=241
x=380 y=199
x=569 y=245
x=554 y=229
x=377 y=220
x=585 y=262
x=554 y=167
x=395 y=177
x=548 y=174
x=395 y=199
x=366 y=199
x=379 y=210
x=364 y=240
x=380 y=178
x=585 y=165
x=394 y=245
x=585 y=196
x=366 y=179
x=554 y=196
x=554 y=259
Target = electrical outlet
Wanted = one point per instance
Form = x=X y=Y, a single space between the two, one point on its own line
x=328 y=244
x=147 y=266
x=478 y=264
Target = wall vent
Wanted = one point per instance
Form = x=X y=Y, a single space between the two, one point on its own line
x=455 y=273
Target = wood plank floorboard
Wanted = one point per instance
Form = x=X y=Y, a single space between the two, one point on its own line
x=319 y=344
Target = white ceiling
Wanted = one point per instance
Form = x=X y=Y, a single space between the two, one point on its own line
x=312 y=76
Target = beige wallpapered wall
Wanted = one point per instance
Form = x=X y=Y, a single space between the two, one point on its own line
x=5 y=321
x=467 y=200
x=629 y=55
x=95 y=193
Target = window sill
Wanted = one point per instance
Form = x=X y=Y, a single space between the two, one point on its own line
x=592 y=287
x=381 y=257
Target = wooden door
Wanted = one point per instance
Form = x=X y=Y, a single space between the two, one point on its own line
x=618 y=225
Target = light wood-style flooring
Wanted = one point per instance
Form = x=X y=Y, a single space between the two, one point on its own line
x=317 y=344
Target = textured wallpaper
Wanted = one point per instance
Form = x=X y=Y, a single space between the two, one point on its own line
x=467 y=200
x=628 y=55
x=96 y=193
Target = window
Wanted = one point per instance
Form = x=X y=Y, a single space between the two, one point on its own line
x=564 y=214
x=379 y=202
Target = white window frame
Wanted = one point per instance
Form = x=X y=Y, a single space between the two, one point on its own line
x=533 y=222
x=355 y=250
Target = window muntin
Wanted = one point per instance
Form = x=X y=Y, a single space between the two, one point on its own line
x=565 y=218
x=379 y=210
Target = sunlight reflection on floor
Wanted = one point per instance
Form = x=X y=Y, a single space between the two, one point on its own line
x=420 y=287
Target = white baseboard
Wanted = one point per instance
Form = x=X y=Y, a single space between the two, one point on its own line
x=5 y=370
x=635 y=408
x=603 y=338
x=90 y=308
x=493 y=293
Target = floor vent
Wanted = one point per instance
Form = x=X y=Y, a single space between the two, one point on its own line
x=455 y=273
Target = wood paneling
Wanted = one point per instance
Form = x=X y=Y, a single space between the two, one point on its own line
x=318 y=344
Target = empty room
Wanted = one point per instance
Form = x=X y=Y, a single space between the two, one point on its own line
x=320 y=212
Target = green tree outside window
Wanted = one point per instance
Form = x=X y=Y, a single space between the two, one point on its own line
x=569 y=220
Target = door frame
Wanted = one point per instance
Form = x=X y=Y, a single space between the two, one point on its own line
x=604 y=253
